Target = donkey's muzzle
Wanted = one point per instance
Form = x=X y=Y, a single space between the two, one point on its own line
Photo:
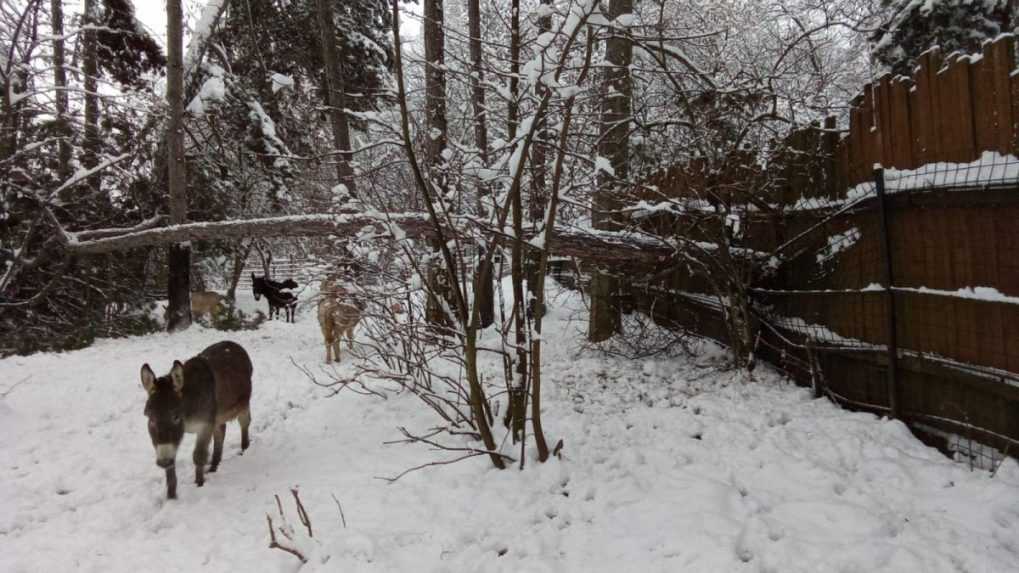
x=165 y=455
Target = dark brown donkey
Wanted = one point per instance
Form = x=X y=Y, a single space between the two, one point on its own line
x=199 y=397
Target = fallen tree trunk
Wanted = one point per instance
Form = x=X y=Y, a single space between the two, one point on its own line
x=294 y=226
x=606 y=247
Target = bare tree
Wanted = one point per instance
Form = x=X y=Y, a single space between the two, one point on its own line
x=467 y=320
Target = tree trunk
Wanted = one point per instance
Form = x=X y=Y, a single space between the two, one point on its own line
x=435 y=142
x=606 y=318
x=90 y=67
x=60 y=85
x=516 y=412
x=240 y=258
x=179 y=260
x=540 y=155
x=512 y=108
x=264 y=257
x=336 y=97
x=16 y=79
x=539 y=172
x=435 y=92
x=483 y=280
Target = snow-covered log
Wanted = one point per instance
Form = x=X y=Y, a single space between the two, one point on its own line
x=595 y=246
x=296 y=225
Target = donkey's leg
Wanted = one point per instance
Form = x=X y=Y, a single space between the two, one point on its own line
x=244 y=419
x=171 y=482
x=329 y=351
x=201 y=455
x=217 y=446
x=350 y=337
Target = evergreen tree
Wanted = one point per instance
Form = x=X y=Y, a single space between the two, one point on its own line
x=268 y=37
x=915 y=26
x=125 y=50
x=47 y=298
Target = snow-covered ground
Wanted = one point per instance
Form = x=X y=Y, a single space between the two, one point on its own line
x=669 y=465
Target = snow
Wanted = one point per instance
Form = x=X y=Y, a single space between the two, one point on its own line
x=837 y=243
x=625 y=20
x=340 y=192
x=213 y=91
x=603 y=164
x=542 y=11
x=990 y=168
x=820 y=333
x=987 y=294
x=670 y=464
x=281 y=81
x=82 y=174
x=990 y=171
x=203 y=30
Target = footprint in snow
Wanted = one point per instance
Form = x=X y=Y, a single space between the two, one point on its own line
x=775 y=532
x=1003 y=518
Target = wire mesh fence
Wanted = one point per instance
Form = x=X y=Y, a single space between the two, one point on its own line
x=899 y=297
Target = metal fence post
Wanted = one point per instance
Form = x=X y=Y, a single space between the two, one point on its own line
x=815 y=382
x=889 y=281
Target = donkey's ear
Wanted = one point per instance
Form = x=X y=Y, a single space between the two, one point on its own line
x=177 y=375
x=148 y=379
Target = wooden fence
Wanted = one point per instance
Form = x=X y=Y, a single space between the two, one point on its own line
x=826 y=315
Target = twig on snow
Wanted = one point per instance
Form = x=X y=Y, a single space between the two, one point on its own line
x=15 y=385
x=343 y=518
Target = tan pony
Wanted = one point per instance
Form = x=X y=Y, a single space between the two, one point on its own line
x=336 y=317
x=206 y=302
